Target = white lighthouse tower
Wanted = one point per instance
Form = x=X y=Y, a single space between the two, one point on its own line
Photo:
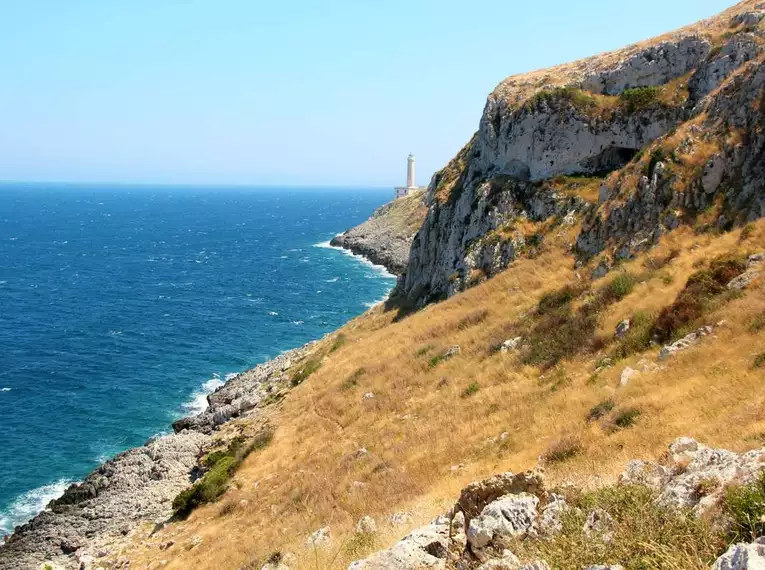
x=411 y=180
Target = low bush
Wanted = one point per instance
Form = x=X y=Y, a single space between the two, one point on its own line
x=471 y=389
x=473 y=319
x=626 y=418
x=644 y=535
x=558 y=335
x=221 y=466
x=600 y=410
x=745 y=506
x=759 y=361
x=556 y=299
x=423 y=350
x=353 y=380
x=695 y=298
x=562 y=450
x=638 y=337
x=339 y=342
x=639 y=98
x=757 y=323
x=311 y=366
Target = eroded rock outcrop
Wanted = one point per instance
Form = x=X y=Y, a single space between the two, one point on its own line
x=612 y=113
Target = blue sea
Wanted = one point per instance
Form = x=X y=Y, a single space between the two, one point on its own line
x=121 y=307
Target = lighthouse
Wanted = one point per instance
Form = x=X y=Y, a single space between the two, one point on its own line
x=411 y=180
x=410 y=171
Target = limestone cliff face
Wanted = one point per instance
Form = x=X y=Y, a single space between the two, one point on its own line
x=665 y=129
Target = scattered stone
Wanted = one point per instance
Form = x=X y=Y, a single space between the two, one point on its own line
x=400 y=519
x=512 y=344
x=622 y=329
x=319 y=538
x=509 y=561
x=605 y=567
x=599 y=524
x=452 y=351
x=426 y=547
x=459 y=467
x=166 y=545
x=684 y=343
x=601 y=270
x=627 y=375
x=369 y=396
x=753 y=270
x=690 y=465
x=366 y=525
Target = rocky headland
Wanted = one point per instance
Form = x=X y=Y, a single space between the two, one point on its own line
x=386 y=237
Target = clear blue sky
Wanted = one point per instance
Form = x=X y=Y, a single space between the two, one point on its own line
x=298 y=92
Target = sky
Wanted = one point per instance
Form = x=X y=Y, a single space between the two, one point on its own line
x=280 y=92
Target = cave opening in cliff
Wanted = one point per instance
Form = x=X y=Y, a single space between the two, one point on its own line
x=610 y=159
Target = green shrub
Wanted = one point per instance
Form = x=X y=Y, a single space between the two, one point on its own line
x=600 y=410
x=221 y=467
x=556 y=299
x=626 y=418
x=745 y=505
x=339 y=342
x=638 y=338
x=353 y=380
x=471 y=389
x=757 y=323
x=581 y=100
x=759 y=361
x=562 y=450
x=619 y=287
x=558 y=335
x=747 y=231
x=311 y=366
x=639 y=98
x=423 y=350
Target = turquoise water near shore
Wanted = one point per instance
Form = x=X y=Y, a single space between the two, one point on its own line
x=123 y=306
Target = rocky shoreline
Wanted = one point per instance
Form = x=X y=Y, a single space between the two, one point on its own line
x=84 y=527
x=386 y=237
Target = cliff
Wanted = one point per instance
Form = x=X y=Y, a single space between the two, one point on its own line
x=631 y=143
x=386 y=237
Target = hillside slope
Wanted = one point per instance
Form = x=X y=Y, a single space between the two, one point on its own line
x=597 y=250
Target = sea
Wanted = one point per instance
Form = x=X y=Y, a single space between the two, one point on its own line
x=122 y=307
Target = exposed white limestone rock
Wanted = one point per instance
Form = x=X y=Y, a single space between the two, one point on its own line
x=320 y=538
x=743 y=557
x=511 y=516
x=684 y=343
x=426 y=547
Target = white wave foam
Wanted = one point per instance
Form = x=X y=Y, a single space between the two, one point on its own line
x=298 y=322
x=273 y=313
x=198 y=402
x=325 y=245
x=333 y=280
x=5 y=389
x=30 y=504
x=375 y=303
x=381 y=271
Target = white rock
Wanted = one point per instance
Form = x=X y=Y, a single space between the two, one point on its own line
x=627 y=375
x=685 y=342
x=369 y=396
x=743 y=557
x=426 y=547
x=508 y=562
x=509 y=516
x=400 y=519
x=319 y=538
x=550 y=520
x=713 y=174
x=599 y=524
x=366 y=525
x=622 y=329
x=605 y=567
x=511 y=344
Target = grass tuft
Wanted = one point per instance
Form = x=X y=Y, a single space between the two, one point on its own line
x=600 y=410
x=745 y=505
x=471 y=389
x=562 y=450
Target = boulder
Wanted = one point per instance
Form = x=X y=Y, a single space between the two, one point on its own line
x=426 y=547
x=622 y=329
x=743 y=557
x=511 y=344
x=685 y=342
x=627 y=375
x=512 y=516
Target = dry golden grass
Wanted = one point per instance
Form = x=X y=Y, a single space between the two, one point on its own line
x=426 y=436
